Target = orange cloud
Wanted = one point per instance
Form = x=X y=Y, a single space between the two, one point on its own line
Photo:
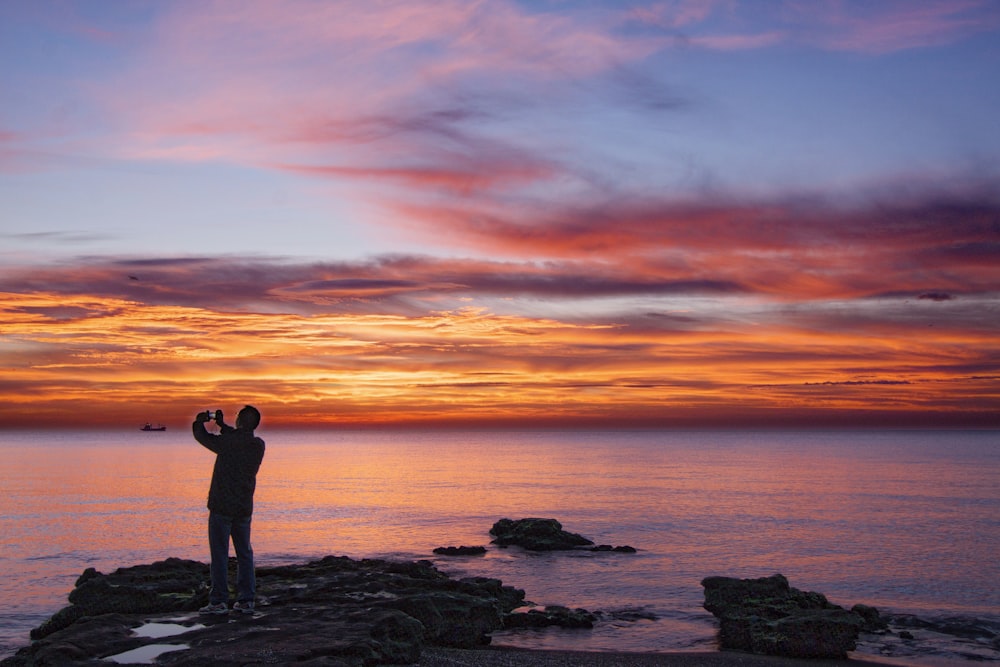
x=85 y=359
x=789 y=250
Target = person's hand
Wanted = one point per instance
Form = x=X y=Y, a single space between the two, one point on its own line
x=202 y=417
x=218 y=416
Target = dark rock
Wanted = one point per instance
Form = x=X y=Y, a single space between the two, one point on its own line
x=872 y=621
x=619 y=549
x=508 y=597
x=460 y=551
x=165 y=586
x=536 y=535
x=629 y=614
x=452 y=619
x=550 y=616
x=962 y=627
x=91 y=638
x=331 y=611
x=767 y=616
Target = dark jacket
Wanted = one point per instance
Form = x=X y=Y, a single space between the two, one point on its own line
x=237 y=459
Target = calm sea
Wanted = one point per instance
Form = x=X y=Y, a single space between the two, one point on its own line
x=908 y=521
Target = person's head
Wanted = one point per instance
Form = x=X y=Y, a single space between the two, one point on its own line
x=248 y=418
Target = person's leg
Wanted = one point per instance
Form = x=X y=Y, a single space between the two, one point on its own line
x=246 y=580
x=219 y=527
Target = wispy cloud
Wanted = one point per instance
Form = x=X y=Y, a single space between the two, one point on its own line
x=795 y=249
x=931 y=247
x=855 y=26
x=59 y=237
x=376 y=57
x=895 y=26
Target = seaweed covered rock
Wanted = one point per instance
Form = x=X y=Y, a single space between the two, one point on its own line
x=536 y=535
x=767 y=616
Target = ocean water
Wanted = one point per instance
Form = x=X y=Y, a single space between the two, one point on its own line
x=907 y=521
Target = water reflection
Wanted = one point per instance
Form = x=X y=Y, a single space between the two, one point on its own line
x=145 y=655
x=899 y=520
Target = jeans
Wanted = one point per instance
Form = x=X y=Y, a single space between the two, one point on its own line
x=220 y=529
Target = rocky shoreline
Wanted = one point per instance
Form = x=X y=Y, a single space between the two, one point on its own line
x=332 y=611
x=340 y=611
x=361 y=612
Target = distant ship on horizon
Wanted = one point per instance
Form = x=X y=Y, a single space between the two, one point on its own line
x=149 y=427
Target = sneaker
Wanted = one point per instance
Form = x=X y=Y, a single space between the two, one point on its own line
x=244 y=607
x=217 y=608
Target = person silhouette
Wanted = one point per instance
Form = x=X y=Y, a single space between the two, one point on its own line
x=238 y=455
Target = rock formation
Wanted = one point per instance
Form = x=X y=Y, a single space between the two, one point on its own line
x=536 y=535
x=335 y=611
x=767 y=616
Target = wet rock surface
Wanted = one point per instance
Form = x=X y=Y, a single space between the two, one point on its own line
x=460 y=551
x=768 y=617
x=553 y=615
x=536 y=535
x=340 y=611
x=331 y=611
x=949 y=637
x=545 y=535
x=622 y=549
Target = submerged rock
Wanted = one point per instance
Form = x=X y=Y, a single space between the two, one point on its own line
x=460 y=551
x=618 y=550
x=963 y=627
x=767 y=616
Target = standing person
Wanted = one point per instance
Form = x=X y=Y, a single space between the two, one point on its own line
x=238 y=453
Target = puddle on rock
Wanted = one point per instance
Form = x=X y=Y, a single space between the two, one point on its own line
x=161 y=630
x=145 y=655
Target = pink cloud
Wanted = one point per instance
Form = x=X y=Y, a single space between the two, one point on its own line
x=463 y=178
x=737 y=42
x=674 y=13
x=19 y=155
x=794 y=250
x=895 y=26
x=840 y=25
x=221 y=71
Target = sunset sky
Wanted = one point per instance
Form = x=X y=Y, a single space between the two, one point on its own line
x=501 y=213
